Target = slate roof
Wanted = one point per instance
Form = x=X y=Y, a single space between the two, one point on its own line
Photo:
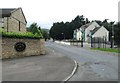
x=5 y=12
x=85 y=26
x=95 y=29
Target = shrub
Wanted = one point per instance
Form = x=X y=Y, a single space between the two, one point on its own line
x=20 y=35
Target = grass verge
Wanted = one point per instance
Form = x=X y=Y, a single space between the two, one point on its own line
x=116 y=50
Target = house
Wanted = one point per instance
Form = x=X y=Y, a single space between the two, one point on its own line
x=77 y=34
x=93 y=28
x=12 y=19
x=101 y=32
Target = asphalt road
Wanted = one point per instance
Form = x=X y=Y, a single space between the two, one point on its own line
x=50 y=67
x=93 y=65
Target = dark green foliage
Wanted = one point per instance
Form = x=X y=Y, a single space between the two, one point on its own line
x=67 y=28
x=61 y=30
x=117 y=33
x=45 y=33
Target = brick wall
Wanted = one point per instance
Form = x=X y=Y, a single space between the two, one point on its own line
x=33 y=47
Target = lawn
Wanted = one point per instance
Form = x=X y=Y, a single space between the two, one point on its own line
x=116 y=50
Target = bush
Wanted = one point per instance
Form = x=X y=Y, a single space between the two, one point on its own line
x=20 y=35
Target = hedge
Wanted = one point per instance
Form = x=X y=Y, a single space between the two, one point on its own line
x=20 y=35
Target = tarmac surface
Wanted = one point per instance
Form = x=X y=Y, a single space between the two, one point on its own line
x=50 y=67
x=92 y=65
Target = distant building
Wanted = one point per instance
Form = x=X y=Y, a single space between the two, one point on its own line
x=12 y=19
x=28 y=29
x=89 y=29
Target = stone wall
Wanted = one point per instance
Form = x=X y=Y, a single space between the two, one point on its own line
x=33 y=47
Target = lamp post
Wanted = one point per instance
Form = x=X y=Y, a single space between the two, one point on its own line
x=82 y=37
x=63 y=35
x=112 y=37
x=112 y=33
x=91 y=38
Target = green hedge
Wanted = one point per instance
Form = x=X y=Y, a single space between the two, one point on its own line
x=20 y=35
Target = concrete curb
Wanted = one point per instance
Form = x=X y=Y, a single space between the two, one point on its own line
x=73 y=72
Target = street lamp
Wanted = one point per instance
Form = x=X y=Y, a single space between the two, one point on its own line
x=91 y=38
x=112 y=36
x=63 y=35
x=112 y=33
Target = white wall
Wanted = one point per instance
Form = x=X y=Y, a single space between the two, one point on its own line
x=102 y=32
x=90 y=27
x=78 y=35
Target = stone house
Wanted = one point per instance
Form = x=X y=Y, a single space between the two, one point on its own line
x=91 y=29
x=12 y=19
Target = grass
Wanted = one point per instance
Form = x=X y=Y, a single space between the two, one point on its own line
x=116 y=50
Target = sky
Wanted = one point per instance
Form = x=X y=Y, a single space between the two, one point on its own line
x=47 y=12
x=119 y=11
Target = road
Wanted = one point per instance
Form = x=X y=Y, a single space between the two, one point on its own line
x=49 y=67
x=93 y=65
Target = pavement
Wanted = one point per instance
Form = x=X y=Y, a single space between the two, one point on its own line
x=85 y=45
x=50 y=67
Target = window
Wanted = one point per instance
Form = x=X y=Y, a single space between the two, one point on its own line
x=19 y=25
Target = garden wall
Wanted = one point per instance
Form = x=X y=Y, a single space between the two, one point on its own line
x=33 y=47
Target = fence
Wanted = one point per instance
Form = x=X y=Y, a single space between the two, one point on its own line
x=100 y=42
x=95 y=42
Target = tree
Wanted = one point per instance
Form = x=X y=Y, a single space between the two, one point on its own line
x=45 y=33
x=35 y=29
x=117 y=33
x=61 y=30
x=87 y=21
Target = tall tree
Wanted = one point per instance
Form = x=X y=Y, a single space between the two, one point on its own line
x=61 y=30
x=34 y=29
x=117 y=33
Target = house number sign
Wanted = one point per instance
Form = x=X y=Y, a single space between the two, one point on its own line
x=20 y=46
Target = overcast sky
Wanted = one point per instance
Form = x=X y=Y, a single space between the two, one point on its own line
x=46 y=12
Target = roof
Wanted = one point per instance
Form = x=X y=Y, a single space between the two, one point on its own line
x=95 y=29
x=6 y=12
x=86 y=25
x=21 y=11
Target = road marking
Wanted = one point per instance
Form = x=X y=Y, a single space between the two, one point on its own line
x=73 y=72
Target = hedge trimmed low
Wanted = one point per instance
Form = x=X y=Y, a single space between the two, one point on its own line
x=20 y=35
